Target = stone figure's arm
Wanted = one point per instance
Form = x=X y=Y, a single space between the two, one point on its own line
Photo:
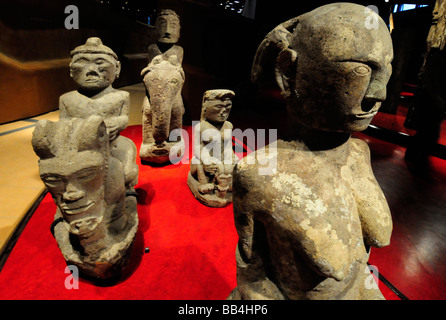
x=201 y=175
x=63 y=113
x=251 y=255
x=180 y=54
x=118 y=123
x=203 y=155
x=152 y=52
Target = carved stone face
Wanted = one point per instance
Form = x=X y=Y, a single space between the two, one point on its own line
x=168 y=28
x=341 y=70
x=94 y=71
x=210 y=168
x=217 y=110
x=76 y=183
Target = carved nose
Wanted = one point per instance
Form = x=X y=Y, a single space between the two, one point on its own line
x=376 y=91
x=92 y=71
x=72 y=193
x=368 y=104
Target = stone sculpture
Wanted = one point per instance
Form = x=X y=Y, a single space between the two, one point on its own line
x=94 y=67
x=163 y=78
x=89 y=168
x=210 y=176
x=167 y=28
x=305 y=230
x=95 y=222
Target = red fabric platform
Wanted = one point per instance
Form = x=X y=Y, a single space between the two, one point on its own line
x=191 y=257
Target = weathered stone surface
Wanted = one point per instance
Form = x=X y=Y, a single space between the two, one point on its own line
x=163 y=107
x=94 y=67
x=95 y=222
x=89 y=169
x=210 y=176
x=306 y=229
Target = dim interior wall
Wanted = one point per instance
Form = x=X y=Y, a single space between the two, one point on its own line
x=29 y=89
x=35 y=51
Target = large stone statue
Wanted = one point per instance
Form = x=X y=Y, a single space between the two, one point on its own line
x=94 y=67
x=210 y=176
x=305 y=230
x=95 y=222
x=163 y=107
x=89 y=168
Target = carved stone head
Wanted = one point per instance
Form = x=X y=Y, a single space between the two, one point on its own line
x=73 y=166
x=332 y=66
x=94 y=66
x=167 y=27
x=217 y=105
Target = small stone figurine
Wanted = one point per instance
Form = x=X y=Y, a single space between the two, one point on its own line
x=94 y=67
x=167 y=28
x=210 y=176
x=305 y=230
x=163 y=106
x=89 y=168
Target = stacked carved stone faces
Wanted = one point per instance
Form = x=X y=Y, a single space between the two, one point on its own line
x=210 y=176
x=89 y=169
x=163 y=78
x=305 y=231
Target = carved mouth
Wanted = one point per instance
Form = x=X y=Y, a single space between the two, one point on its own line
x=366 y=115
x=84 y=227
x=68 y=210
x=369 y=108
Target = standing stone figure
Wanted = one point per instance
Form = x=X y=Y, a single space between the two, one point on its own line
x=163 y=107
x=95 y=222
x=210 y=176
x=94 y=67
x=305 y=230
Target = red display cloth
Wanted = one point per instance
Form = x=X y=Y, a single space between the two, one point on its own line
x=191 y=257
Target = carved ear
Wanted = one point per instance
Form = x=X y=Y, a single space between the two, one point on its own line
x=40 y=142
x=93 y=134
x=263 y=67
x=285 y=70
x=118 y=69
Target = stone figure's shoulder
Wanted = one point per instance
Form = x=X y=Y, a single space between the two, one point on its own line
x=153 y=48
x=179 y=48
x=360 y=147
x=118 y=95
x=119 y=92
x=227 y=125
x=204 y=125
x=71 y=96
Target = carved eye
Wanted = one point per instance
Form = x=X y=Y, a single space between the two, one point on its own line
x=362 y=70
x=52 y=180
x=87 y=173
